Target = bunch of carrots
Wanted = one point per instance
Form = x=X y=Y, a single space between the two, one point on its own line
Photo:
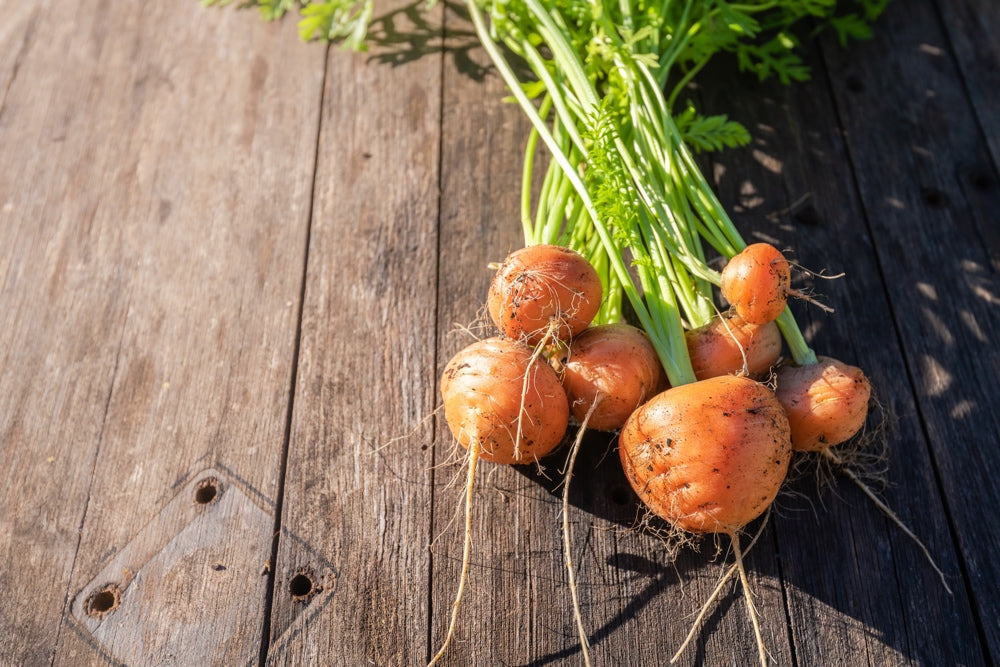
x=707 y=417
x=611 y=315
x=707 y=454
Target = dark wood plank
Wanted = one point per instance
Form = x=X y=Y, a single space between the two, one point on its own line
x=913 y=146
x=795 y=187
x=971 y=27
x=158 y=212
x=357 y=494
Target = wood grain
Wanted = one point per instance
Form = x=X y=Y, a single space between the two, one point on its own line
x=149 y=306
x=226 y=254
x=794 y=186
x=970 y=28
x=63 y=299
x=356 y=492
x=910 y=158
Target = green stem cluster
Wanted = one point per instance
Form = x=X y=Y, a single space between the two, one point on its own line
x=622 y=186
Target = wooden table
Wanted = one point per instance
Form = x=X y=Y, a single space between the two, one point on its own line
x=232 y=265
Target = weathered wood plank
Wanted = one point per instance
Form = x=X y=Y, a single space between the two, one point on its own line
x=356 y=493
x=156 y=173
x=159 y=210
x=795 y=187
x=912 y=151
x=517 y=609
x=913 y=147
x=972 y=27
x=63 y=299
x=512 y=611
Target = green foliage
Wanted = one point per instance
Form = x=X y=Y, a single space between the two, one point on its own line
x=344 y=21
x=710 y=133
x=777 y=57
x=606 y=177
x=272 y=10
x=850 y=26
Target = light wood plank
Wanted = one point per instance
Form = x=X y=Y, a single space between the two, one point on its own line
x=149 y=307
x=357 y=494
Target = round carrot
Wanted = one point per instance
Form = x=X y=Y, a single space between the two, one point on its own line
x=615 y=366
x=756 y=282
x=728 y=345
x=826 y=402
x=539 y=285
x=504 y=404
x=497 y=393
x=710 y=456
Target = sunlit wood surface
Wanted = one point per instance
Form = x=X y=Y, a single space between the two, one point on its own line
x=232 y=266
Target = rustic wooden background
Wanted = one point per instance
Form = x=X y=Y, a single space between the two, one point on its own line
x=232 y=265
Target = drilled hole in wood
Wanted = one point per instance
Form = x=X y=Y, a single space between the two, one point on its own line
x=981 y=181
x=207 y=491
x=301 y=586
x=103 y=601
x=934 y=197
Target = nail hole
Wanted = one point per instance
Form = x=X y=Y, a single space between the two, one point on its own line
x=207 y=491
x=808 y=215
x=934 y=197
x=981 y=181
x=104 y=601
x=301 y=587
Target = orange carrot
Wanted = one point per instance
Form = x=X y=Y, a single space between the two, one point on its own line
x=756 y=282
x=615 y=366
x=826 y=402
x=486 y=396
x=728 y=345
x=710 y=456
x=541 y=284
x=503 y=404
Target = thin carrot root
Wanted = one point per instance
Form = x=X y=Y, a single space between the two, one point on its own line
x=893 y=517
x=553 y=325
x=704 y=610
x=567 y=552
x=751 y=608
x=715 y=594
x=799 y=294
x=474 y=448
